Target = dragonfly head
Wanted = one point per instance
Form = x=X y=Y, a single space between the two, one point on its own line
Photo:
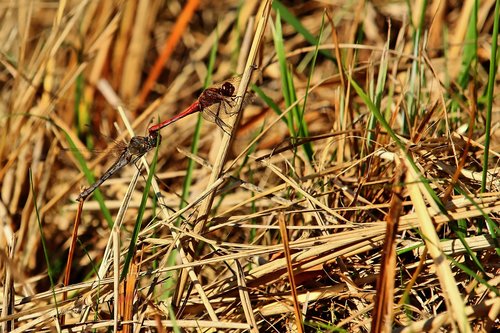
x=154 y=138
x=227 y=89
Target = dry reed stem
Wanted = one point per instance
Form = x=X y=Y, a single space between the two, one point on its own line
x=450 y=291
x=223 y=150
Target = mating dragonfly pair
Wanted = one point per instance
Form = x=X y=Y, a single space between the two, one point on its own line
x=215 y=104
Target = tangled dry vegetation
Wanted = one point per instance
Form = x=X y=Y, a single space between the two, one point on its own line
x=350 y=195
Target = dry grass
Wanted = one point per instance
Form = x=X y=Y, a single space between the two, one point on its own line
x=382 y=231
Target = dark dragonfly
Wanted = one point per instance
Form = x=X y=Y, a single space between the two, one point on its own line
x=137 y=147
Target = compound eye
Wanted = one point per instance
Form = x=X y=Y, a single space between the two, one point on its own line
x=227 y=89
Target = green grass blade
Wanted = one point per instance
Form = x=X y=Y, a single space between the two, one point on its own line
x=46 y=254
x=286 y=78
x=294 y=121
x=269 y=102
x=280 y=52
x=295 y=23
x=458 y=229
x=469 y=59
x=302 y=125
x=493 y=228
x=81 y=109
x=379 y=92
x=473 y=274
x=414 y=82
x=489 y=94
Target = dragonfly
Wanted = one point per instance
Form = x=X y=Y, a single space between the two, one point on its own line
x=215 y=103
x=131 y=153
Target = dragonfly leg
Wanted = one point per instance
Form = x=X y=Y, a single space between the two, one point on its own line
x=225 y=127
x=228 y=106
x=247 y=99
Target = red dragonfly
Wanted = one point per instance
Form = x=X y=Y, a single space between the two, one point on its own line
x=138 y=146
x=215 y=103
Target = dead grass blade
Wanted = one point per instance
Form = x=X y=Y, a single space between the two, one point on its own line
x=478 y=310
x=246 y=303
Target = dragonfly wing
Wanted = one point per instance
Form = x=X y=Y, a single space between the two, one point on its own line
x=221 y=110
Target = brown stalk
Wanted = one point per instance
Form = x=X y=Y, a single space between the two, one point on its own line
x=383 y=309
x=71 y=252
x=128 y=291
x=291 y=276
